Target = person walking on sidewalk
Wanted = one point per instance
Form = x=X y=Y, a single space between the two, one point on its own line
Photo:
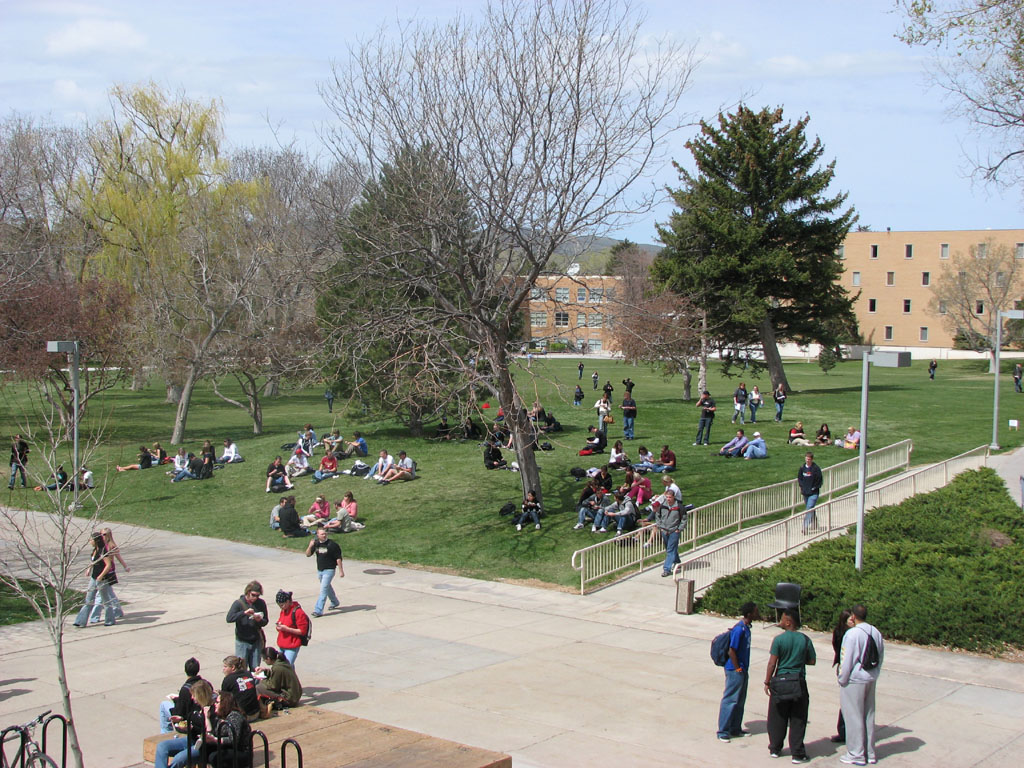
x=786 y=685
x=809 y=478
x=860 y=663
x=737 y=673
x=328 y=560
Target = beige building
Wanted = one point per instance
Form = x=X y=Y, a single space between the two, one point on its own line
x=894 y=273
x=575 y=311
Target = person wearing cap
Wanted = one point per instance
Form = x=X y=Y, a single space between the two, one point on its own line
x=756 y=448
x=707 y=416
x=276 y=475
x=328 y=561
x=292 y=625
x=298 y=464
x=249 y=615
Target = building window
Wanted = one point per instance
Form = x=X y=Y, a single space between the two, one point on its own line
x=596 y=321
x=594 y=345
x=1018 y=251
x=926 y=278
x=924 y=333
x=609 y=294
x=888 y=333
x=982 y=250
x=856 y=278
x=538 y=319
x=562 y=295
x=561 y=319
x=581 y=320
x=537 y=294
x=581 y=295
x=596 y=295
x=1001 y=279
x=872 y=305
x=943 y=309
x=890 y=278
x=909 y=250
x=906 y=306
x=979 y=307
x=874 y=251
x=944 y=251
x=841 y=251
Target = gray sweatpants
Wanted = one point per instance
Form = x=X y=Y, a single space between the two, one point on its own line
x=857 y=701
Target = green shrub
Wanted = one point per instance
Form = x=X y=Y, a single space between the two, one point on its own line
x=942 y=568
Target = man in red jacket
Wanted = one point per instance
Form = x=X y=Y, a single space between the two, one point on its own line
x=292 y=626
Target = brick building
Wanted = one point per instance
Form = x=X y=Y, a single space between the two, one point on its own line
x=577 y=311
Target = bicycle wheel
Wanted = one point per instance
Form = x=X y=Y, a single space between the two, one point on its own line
x=39 y=760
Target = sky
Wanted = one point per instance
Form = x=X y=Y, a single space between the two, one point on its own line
x=899 y=155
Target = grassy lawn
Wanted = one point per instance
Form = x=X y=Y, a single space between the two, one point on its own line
x=14 y=609
x=448 y=517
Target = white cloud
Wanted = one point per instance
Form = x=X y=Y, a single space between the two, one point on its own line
x=94 y=36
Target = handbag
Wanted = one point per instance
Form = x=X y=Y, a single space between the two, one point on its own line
x=609 y=419
x=788 y=687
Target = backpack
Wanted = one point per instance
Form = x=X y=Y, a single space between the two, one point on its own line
x=359 y=469
x=578 y=472
x=309 y=632
x=545 y=446
x=507 y=509
x=871 y=658
x=720 y=648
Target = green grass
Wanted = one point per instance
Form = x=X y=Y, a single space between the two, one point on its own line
x=14 y=609
x=448 y=517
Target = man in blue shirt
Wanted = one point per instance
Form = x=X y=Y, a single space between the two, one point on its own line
x=730 y=713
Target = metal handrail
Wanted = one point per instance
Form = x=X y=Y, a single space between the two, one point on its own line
x=838 y=514
x=738 y=509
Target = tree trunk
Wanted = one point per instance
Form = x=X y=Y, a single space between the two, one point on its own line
x=416 y=422
x=173 y=394
x=272 y=388
x=178 y=436
x=687 y=382
x=772 y=358
x=139 y=379
x=992 y=360
x=65 y=697
x=519 y=425
x=702 y=362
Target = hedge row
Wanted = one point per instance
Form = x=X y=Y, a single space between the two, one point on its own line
x=944 y=568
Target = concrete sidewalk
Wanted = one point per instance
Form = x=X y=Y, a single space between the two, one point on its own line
x=554 y=679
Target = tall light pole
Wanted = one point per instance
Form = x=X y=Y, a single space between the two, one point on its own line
x=884 y=360
x=1006 y=314
x=71 y=348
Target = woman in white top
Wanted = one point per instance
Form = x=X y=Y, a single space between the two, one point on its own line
x=619 y=459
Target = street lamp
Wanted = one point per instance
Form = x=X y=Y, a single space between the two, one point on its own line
x=71 y=348
x=1009 y=314
x=883 y=360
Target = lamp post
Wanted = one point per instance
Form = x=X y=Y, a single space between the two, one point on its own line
x=71 y=348
x=885 y=360
x=1007 y=314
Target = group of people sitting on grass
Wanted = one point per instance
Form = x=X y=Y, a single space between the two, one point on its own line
x=63 y=482
x=618 y=508
x=285 y=517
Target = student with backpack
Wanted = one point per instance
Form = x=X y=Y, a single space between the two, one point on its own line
x=860 y=663
x=732 y=650
x=293 y=629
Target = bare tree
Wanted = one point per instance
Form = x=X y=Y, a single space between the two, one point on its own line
x=45 y=543
x=532 y=123
x=973 y=288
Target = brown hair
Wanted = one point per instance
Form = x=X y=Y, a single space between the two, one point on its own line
x=202 y=693
x=253 y=586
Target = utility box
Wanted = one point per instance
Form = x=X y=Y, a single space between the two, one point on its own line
x=684 y=596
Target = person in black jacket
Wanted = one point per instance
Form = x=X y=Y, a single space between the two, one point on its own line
x=239 y=682
x=492 y=457
x=809 y=477
x=249 y=615
x=288 y=518
x=597 y=441
x=174 y=709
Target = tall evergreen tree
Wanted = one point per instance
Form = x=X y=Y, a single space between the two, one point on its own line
x=756 y=235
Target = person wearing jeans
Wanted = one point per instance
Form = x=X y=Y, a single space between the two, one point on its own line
x=809 y=478
x=102 y=564
x=737 y=674
x=328 y=560
x=628 y=416
x=670 y=522
x=779 y=395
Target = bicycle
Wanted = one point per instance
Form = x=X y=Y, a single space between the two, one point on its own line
x=29 y=754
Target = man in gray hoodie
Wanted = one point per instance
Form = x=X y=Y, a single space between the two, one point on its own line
x=860 y=663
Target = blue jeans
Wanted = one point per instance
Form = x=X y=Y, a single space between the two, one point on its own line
x=704 y=430
x=102 y=589
x=627 y=426
x=290 y=654
x=248 y=651
x=165 y=716
x=585 y=512
x=326 y=590
x=321 y=474
x=730 y=713
x=671 y=540
x=778 y=410
x=753 y=412
x=15 y=468
x=754 y=452
x=176 y=749
x=810 y=519
x=183 y=474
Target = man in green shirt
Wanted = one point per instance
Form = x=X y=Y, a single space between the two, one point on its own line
x=791 y=653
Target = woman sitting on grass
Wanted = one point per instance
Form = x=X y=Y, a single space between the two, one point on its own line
x=319 y=512
x=345 y=515
x=619 y=459
x=531 y=511
x=796 y=435
x=824 y=436
x=159 y=454
x=145 y=460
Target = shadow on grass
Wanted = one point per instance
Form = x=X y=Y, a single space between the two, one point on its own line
x=857 y=388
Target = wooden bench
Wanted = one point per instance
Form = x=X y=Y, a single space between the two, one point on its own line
x=336 y=740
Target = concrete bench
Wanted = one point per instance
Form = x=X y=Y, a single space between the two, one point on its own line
x=336 y=740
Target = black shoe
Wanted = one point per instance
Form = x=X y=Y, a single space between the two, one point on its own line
x=838 y=739
x=665 y=574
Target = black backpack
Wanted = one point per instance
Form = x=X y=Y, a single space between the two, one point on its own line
x=871 y=658
x=507 y=509
x=578 y=472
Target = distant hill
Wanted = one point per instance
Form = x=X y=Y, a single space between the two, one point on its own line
x=591 y=254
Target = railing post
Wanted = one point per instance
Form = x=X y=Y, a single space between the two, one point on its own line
x=739 y=512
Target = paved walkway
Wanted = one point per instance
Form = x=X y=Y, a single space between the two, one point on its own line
x=554 y=679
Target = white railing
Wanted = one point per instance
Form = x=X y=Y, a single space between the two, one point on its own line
x=729 y=515
x=831 y=519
